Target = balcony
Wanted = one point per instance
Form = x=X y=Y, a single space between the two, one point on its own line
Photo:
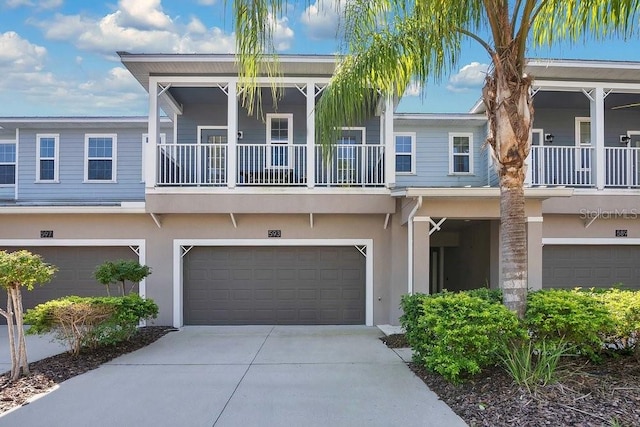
x=574 y=166
x=275 y=165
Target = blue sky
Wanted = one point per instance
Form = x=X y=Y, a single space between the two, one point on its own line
x=57 y=57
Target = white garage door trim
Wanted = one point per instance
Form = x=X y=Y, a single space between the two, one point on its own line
x=591 y=241
x=178 y=309
x=140 y=243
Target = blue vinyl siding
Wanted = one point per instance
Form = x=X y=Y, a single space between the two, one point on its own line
x=432 y=155
x=71 y=186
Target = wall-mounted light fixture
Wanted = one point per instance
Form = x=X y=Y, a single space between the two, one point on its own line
x=548 y=137
x=625 y=139
x=240 y=134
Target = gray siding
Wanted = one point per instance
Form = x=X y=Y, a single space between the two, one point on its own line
x=129 y=185
x=432 y=156
x=561 y=123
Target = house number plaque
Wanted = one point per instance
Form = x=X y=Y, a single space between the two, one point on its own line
x=621 y=233
x=46 y=234
x=274 y=233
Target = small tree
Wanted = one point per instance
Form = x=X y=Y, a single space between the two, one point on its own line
x=121 y=271
x=20 y=269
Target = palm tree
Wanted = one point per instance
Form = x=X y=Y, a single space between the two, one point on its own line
x=389 y=44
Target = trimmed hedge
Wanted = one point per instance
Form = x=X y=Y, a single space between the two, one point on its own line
x=90 y=321
x=457 y=334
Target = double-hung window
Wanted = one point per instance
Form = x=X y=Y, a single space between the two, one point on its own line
x=100 y=157
x=460 y=153
x=279 y=139
x=405 y=153
x=7 y=163
x=47 y=146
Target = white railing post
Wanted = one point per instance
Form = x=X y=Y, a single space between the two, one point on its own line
x=232 y=133
x=311 y=134
x=153 y=133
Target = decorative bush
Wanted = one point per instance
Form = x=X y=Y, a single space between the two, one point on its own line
x=121 y=271
x=412 y=309
x=457 y=334
x=624 y=308
x=91 y=321
x=572 y=316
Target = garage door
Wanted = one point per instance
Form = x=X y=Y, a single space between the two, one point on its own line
x=592 y=265
x=274 y=285
x=75 y=271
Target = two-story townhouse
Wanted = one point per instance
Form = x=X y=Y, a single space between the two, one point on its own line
x=244 y=219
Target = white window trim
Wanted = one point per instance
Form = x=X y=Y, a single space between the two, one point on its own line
x=15 y=163
x=114 y=155
x=145 y=139
x=270 y=143
x=56 y=157
x=578 y=144
x=453 y=135
x=412 y=135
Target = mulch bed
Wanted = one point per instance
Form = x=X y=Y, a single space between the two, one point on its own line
x=48 y=372
x=606 y=394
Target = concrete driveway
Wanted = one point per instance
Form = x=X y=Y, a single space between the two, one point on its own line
x=246 y=376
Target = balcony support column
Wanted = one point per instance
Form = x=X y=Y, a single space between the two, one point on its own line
x=534 y=252
x=389 y=143
x=232 y=133
x=597 y=136
x=153 y=137
x=311 y=134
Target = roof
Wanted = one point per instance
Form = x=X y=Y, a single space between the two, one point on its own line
x=119 y=122
x=141 y=66
x=444 y=119
x=577 y=70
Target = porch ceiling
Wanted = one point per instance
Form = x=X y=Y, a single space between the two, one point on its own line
x=141 y=66
x=584 y=70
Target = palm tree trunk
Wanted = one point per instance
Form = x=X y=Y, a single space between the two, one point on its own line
x=510 y=115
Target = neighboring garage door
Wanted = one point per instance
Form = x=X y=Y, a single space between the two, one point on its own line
x=590 y=265
x=274 y=285
x=75 y=271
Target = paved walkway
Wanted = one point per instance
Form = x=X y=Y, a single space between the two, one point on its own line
x=246 y=376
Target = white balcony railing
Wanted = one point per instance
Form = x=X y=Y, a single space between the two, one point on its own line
x=622 y=166
x=270 y=165
x=561 y=165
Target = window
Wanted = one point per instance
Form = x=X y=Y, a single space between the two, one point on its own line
x=583 y=143
x=405 y=152
x=461 y=153
x=279 y=138
x=100 y=151
x=47 y=161
x=7 y=163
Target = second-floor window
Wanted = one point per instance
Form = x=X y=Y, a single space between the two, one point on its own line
x=100 y=150
x=7 y=163
x=47 y=151
x=405 y=152
x=279 y=139
x=460 y=153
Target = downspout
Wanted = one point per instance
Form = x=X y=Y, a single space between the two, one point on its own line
x=412 y=214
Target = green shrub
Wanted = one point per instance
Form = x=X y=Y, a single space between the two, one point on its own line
x=491 y=295
x=457 y=334
x=572 y=316
x=531 y=366
x=121 y=271
x=624 y=308
x=411 y=306
x=94 y=321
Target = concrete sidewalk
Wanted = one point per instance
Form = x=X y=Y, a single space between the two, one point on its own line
x=247 y=376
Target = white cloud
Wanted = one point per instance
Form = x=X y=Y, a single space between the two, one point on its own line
x=322 y=18
x=42 y=4
x=142 y=26
x=18 y=54
x=143 y=15
x=414 y=89
x=469 y=77
x=207 y=2
x=282 y=34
